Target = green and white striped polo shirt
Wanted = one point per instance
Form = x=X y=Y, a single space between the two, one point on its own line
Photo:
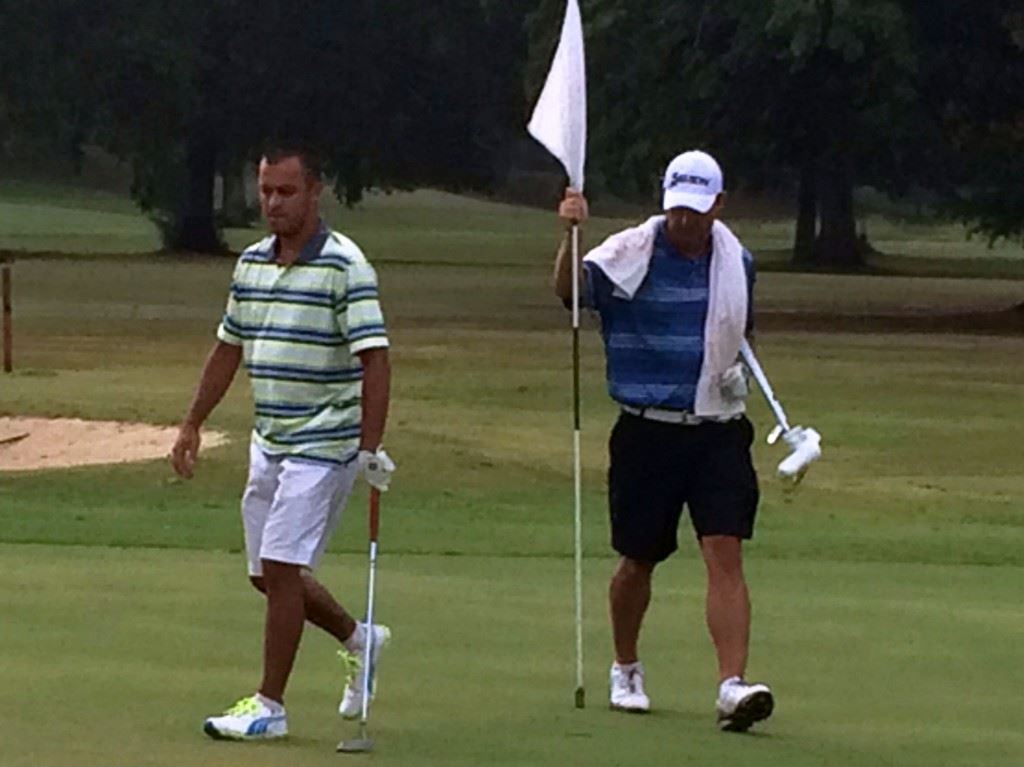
x=300 y=328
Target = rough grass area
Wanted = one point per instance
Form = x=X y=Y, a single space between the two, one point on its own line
x=48 y=217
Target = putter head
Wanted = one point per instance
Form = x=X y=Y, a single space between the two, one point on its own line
x=361 y=745
x=355 y=746
x=806 y=449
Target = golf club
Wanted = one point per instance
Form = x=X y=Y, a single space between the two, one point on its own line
x=805 y=443
x=364 y=743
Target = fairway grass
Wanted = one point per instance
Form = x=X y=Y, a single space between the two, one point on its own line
x=917 y=428
x=113 y=657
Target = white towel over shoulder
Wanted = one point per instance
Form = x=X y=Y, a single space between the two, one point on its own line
x=625 y=258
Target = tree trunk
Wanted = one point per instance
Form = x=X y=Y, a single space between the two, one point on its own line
x=837 y=244
x=234 y=208
x=807 y=217
x=194 y=227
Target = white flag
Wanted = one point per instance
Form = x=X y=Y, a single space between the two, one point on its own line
x=559 y=120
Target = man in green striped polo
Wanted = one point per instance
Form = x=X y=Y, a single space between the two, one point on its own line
x=303 y=315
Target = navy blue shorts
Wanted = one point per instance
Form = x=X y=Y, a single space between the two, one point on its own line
x=657 y=468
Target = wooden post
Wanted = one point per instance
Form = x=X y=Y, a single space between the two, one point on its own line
x=5 y=269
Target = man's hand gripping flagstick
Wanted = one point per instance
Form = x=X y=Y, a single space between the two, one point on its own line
x=804 y=442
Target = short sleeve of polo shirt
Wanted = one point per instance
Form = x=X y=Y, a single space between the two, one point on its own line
x=359 y=313
x=230 y=330
x=597 y=288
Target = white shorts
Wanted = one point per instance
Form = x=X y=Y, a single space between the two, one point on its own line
x=291 y=507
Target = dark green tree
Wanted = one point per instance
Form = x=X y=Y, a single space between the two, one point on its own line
x=51 y=72
x=973 y=83
x=817 y=95
x=395 y=93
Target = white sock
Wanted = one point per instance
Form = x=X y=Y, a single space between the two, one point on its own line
x=730 y=681
x=357 y=639
x=627 y=667
x=274 y=706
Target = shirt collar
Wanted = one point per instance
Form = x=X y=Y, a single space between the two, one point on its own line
x=310 y=250
x=665 y=244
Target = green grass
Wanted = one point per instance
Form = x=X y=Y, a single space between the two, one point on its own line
x=62 y=218
x=888 y=664
x=887 y=591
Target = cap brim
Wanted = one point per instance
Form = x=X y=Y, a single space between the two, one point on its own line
x=701 y=203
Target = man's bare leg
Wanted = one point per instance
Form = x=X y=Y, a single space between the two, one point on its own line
x=286 y=614
x=629 y=594
x=727 y=606
x=323 y=611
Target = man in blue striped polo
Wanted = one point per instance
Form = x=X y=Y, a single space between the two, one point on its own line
x=675 y=298
x=304 y=317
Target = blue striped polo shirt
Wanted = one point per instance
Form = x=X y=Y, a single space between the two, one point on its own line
x=654 y=343
x=301 y=328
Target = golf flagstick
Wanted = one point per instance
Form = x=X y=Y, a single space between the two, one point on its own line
x=364 y=743
x=559 y=123
x=577 y=524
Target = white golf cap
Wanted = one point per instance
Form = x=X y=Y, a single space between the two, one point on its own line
x=692 y=180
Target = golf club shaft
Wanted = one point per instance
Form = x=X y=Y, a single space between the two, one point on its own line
x=374 y=523
x=762 y=381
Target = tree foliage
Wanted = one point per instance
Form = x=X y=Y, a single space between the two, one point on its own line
x=818 y=96
x=394 y=93
x=816 y=93
x=973 y=80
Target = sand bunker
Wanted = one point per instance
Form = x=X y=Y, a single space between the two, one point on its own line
x=28 y=444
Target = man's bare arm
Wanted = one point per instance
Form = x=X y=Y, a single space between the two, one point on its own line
x=376 y=397
x=218 y=373
x=563 y=269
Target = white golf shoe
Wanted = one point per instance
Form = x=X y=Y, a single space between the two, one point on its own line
x=740 y=704
x=351 y=705
x=627 y=689
x=249 y=719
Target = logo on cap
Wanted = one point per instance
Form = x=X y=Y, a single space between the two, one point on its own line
x=684 y=178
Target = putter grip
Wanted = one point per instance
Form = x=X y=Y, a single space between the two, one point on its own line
x=374 y=513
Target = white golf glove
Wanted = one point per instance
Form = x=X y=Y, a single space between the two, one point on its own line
x=733 y=382
x=376 y=467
